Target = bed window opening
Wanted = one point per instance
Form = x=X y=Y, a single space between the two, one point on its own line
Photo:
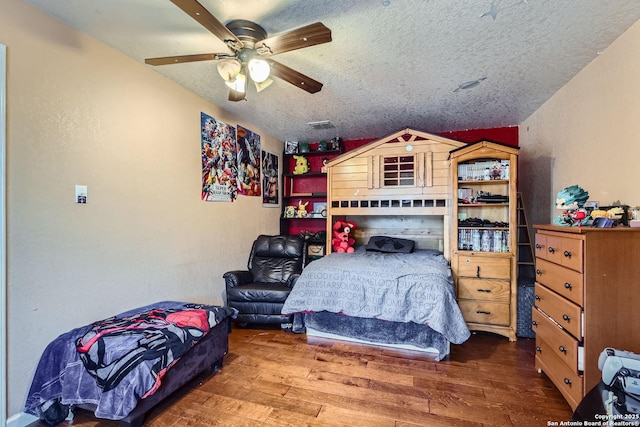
x=417 y=203
x=441 y=203
x=398 y=171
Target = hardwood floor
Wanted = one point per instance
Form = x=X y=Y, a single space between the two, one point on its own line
x=272 y=378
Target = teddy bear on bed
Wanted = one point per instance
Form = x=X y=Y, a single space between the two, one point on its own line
x=342 y=241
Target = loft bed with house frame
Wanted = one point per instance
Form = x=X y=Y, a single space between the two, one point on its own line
x=396 y=188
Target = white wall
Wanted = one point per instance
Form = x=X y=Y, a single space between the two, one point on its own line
x=587 y=134
x=80 y=113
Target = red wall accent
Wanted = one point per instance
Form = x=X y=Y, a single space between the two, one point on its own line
x=504 y=135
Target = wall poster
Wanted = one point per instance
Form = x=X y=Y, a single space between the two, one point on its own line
x=248 y=152
x=219 y=170
x=270 y=179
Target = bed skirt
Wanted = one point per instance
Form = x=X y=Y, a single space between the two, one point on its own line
x=407 y=336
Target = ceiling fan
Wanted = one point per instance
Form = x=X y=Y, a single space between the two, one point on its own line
x=251 y=51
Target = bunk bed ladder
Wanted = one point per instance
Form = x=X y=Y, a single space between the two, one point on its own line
x=526 y=273
x=525 y=256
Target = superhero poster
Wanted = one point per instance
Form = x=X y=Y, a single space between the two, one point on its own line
x=248 y=161
x=219 y=170
x=269 y=179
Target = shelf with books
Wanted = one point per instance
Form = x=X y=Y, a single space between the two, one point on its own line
x=483 y=226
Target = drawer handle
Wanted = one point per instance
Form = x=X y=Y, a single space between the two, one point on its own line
x=566 y=317
x=539 y=349
x=567 y=254
x=537 y=297
x=534 y=323
x=483 y=312
x=567 y=381
x=568 y=286
x=485 y=290
x=478 y=272
x=552 y=250
x=539 y=272
x=562 y=349
x=538 y=246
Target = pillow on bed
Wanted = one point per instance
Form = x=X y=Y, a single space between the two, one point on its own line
x=390 y=244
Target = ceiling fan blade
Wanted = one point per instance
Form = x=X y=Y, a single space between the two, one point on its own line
x=210 y=22
x=166 y=60
x=299 y=38
x=294 y=77
x=236 y=96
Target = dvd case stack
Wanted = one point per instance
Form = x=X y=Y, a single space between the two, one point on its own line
x=483 y=240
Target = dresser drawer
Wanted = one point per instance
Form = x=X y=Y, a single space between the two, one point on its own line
x=484 y=267
x=540 y=246
x=484 y=289
x=564 y=281
x=492 y=313
x=564 y=312
x=560 y=343
x=565 y=251
x=570 y=384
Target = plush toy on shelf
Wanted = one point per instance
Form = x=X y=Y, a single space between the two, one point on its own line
x=302 y=165
x=342 y=240
x=302 y=209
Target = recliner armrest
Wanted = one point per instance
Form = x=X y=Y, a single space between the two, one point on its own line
x=292 y=280
x=237 y=277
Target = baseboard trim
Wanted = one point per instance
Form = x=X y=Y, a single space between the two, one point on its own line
x=21 y=420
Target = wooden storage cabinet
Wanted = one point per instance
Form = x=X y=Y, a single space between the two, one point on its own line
x=586 y=281
x=484 y=236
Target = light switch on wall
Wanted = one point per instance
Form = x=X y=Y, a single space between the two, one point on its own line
x=81 y=194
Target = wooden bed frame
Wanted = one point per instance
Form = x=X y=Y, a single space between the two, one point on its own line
x=398 y=186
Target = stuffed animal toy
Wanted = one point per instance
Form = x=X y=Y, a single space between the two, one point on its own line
x=342 y=241
x=302 y=165
x=302 y=209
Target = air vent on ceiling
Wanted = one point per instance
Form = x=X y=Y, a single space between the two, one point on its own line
x=323 y=124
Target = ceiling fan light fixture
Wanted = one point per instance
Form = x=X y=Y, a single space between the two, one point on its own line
x=229 y=69
x=260 y=86
x=239 y=84
x=259 y=70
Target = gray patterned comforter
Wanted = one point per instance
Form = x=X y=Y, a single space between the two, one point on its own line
x=415 y=287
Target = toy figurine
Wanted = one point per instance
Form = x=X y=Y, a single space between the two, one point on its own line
x=302 y=209
x=571 y=201
x=302 y=165
x=290 y=212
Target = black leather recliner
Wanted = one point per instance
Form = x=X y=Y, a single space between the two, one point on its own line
x=275 y=263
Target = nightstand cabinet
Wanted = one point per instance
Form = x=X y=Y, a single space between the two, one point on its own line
x=586 y=296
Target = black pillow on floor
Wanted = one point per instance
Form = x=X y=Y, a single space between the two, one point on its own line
x=390 y=244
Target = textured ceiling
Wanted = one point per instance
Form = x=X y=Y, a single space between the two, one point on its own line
x=391 y=64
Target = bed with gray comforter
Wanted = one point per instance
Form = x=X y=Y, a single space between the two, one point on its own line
x=388 y=298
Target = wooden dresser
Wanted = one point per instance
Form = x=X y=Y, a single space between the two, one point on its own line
x=587 y=297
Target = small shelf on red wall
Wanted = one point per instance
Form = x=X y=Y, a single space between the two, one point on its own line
x=309 y=187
